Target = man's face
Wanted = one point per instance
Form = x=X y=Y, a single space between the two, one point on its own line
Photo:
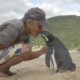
x=34 y=28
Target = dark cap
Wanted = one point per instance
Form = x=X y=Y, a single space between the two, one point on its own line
x=38 y=15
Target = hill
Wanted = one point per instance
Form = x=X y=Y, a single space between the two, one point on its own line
x=66 y=28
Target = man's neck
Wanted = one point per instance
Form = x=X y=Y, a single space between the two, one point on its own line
x=25 y=27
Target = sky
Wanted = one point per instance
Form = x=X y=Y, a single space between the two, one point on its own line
x=12 y=9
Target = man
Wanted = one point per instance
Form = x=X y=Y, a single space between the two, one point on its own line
x=18 y=31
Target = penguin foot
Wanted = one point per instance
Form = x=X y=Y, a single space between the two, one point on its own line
x=73 y=68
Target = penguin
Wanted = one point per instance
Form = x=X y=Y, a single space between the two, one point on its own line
x=57 y=53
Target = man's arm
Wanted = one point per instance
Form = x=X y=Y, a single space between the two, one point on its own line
x=2 y=46
x=36 y=54
x=27 y=51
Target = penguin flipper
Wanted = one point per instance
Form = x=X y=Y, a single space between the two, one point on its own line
x=47 y=59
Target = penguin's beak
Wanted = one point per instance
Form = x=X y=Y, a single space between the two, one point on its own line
x=46 y=39
x=44 y=36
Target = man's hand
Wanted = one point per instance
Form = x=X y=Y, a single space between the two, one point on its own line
x=43 y=50
x=36 y=54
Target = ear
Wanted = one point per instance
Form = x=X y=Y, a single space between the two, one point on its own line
x=45 y=37
x=29 y=22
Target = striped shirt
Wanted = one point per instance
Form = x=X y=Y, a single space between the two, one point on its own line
x=12 y=31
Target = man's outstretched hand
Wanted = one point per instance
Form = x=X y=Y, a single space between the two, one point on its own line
x=43 y=50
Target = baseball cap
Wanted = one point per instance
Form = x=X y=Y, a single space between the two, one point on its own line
x=38 y=15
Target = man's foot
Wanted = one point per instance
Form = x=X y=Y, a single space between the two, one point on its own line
x=2 y=74
x=6 y=71
x=9 y=73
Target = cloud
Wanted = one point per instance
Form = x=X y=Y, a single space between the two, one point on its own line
x=71 y=1
x=64 y=1
x=71 y=13
x=7 y=16
x=15 y=5
x=50 y=9
x=11 y=9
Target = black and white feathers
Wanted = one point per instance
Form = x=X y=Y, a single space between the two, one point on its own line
x=57 y=53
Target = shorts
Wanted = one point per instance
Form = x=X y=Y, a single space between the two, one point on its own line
x=9 y=52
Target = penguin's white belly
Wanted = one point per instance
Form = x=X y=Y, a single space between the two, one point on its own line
x=54 y=60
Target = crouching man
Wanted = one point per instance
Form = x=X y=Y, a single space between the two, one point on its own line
x=18 y=32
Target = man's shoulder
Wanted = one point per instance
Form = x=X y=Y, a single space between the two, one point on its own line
x=16 y=23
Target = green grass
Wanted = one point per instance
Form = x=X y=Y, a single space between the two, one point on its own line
x=37 y=41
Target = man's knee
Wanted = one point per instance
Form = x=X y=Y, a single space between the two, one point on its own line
x=26 y=52
x=26 y=48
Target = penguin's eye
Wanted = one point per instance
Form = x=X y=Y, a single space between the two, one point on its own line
x=46 y=39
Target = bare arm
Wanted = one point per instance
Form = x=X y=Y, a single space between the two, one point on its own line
x=32 y=55
x=2 y=46
x=36 y=54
